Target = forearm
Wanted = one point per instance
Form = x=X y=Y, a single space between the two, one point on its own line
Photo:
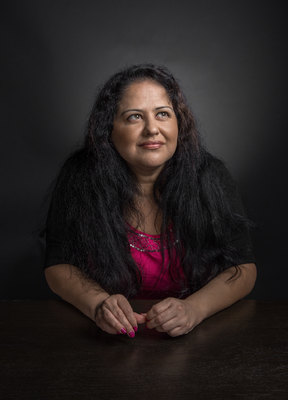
x=69 y=283
x=221 y=292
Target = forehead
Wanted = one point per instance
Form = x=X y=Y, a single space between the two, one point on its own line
x=141 y=93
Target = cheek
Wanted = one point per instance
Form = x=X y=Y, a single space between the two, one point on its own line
x=174 y=134
x=118 y=137
x=122 y=143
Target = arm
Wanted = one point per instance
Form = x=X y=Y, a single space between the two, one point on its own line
x=177 y=317
x=112 y=313
x=220 y=292
x=67 y=282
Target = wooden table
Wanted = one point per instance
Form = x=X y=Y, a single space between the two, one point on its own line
x=49 y=350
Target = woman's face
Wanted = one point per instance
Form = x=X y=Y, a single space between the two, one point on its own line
x=145 y=128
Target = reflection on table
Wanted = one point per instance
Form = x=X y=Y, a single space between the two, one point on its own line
x=49 y=350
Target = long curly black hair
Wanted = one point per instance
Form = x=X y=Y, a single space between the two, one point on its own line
x=96 y=189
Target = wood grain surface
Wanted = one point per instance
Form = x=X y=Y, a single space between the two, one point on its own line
x=49 y=350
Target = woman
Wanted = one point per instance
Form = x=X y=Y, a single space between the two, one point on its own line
x=142 y=210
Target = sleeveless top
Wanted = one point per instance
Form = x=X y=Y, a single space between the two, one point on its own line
x=157 y=281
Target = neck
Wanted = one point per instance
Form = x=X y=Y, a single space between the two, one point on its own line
x=146 y=180
x=146 y=186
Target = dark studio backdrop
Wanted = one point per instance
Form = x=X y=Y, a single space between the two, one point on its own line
x=229 y=56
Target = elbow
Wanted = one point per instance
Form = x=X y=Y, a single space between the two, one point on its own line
x=250 y=276
x=51 y=277
x=57 y=277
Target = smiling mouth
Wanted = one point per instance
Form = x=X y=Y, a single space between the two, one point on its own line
x=151 y=145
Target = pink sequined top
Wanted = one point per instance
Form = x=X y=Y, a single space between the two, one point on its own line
x=156 y=280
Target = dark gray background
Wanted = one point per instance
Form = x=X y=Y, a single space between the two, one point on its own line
x=230 y=58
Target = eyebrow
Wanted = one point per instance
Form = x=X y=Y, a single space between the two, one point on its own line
x=138 y=110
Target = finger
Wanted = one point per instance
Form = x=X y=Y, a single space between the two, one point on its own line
x=159 y=329
x=126 y=309
x=120 y=317
x=158 y=308
x=108 y=322
x=140 y=318
x=169 y=325
x=178 y=331
x=108 y=328
x=162 y=318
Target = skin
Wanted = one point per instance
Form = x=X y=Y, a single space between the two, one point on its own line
x=145 y=114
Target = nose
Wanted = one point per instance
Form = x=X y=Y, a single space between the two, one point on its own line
x=151 y=128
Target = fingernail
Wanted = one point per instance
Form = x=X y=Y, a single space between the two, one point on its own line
x=123 y=331
x=135 y=328
x=131 y=334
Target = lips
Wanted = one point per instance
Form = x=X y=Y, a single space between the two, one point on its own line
x=151 y=145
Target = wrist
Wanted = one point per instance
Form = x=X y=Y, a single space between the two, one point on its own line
x=98 y=300
x=197 y=308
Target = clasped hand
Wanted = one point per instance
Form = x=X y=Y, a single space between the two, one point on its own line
x=174 y=316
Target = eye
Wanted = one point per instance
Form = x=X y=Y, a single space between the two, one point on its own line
x=163 y=114
x=134 y=117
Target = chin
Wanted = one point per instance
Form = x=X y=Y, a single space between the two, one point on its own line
x=153 y=166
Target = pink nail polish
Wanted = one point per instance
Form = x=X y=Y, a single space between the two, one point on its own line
x=131 y=334
x=123 y=331
x=135 y=328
